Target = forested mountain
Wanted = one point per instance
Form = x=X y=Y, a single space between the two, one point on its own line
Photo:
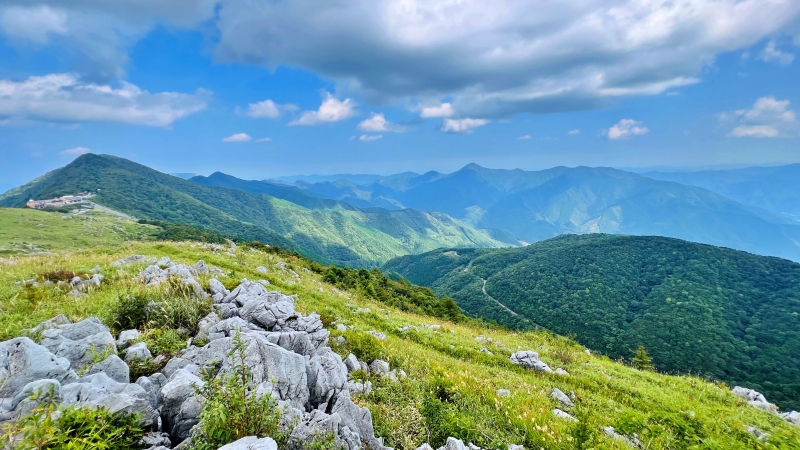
x=776 y=189
x=696 y=308
x=323 y=229
x=538 y=205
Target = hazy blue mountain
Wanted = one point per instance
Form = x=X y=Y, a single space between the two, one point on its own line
x=360 y=178
x=537 y=205
x=696 y=308
x=326 y=230
x=776 y=189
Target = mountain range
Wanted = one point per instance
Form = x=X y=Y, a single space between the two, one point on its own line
x=750 y=210
x=326 y=230
x=720 y=313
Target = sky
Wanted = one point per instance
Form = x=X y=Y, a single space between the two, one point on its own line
x=265 y=88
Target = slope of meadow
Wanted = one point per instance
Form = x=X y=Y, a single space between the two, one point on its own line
x=451 y=387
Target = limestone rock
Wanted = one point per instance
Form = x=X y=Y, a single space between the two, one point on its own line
x=530 y=360
x=98 y=390
x=252 y=443
x=77 y=341
x=563 y=415
x=137 y=351
x=115 y=368
x=561 y=397
x=126 y=338
x=23 y=361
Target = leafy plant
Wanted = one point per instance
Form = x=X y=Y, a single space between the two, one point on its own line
x=641 y=359
x=232 y=410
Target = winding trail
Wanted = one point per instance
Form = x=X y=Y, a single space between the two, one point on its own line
x=495 y=300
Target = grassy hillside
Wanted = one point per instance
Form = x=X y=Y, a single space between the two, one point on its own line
x=331 y=232
x=711 y=311
x=451 y=385
x=25 y=231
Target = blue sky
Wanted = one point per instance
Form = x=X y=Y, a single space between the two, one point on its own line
x=263 y=88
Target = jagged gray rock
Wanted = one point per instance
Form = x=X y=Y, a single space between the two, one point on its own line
x=760 y=435
x=180 y=402
x=133 y=259
x=98 y=390
x=252 y=443
x=755 y=398
x=152 y=386
x=530 y=360
x=564 y=415
x=267 y=314
x=633 y=441
x=559 y=395
x=453 y=444
x=156 y=439
x=126 y=338
x=23 y=361
x=78 y=341
x=379 y=367
x=327 y=377
x=205 y=325
x=137 y=351
x=115 y=368
x=351 y=362
x=793 y=417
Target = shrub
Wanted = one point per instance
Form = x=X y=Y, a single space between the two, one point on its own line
x=131 y=311
x=232 y=410
x=58 y=275
x=365 y=346
x=72 y=428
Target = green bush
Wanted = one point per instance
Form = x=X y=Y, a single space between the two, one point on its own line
x=174 y=307
x=365 y=346
x=72 y=428
x=131 y=311
x=232 y=410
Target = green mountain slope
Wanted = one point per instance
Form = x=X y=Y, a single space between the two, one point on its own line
x=337 y=233
x=697 y=309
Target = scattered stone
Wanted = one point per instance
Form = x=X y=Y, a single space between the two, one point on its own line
x=516 y=447
x=530 y=360
x=341 y=327
x=561 y=397
x=453 y=444
x=792 y=417
x=563 y=415
x=503 y=392
x=483 y=339
x=362 y=311
x=78 y=342
x=351 y=362
x=755 y=398
x=432 y=327
x=380 y=367
x=561 y=371
x=261 y=269
x=760 y=435
x=133 y=259
x=486 y=350
x=633 y=441
x=115 y=368
x=378 y=334
x=156 y=439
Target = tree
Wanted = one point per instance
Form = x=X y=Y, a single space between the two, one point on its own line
x=641 y=360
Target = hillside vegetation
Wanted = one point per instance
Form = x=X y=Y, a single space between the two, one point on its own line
x=715 y=312
x=329 y=232
x=451 y=388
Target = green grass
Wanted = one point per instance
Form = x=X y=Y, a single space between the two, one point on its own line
x=450 y=389
x=28 y=231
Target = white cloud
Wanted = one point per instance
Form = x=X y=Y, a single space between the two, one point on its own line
x=573 y=132
x=524 y=138
x=331 y=110
x=264 y=139
x=75 y=151
x=64 y=98
x=497 y=58
x=772 y=53
x=464 y=126
x=443 y=110
x=768 y=118
x=626 y=128
x=370 y=138
x=238 y=137
x=267 y=108
x=378 y=123
x=34 y=24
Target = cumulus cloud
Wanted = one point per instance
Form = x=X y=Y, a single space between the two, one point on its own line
x=75 y=151
x=370 y=137
x=496 y=58
x=264 y=139
x=626 y=128
x=464 y=126
x=443 y=110
x=238 y=137
x=35 y=24
x=266 y=108
x=64 y=98
x=771 y=53
x=331 y=110
x=98 y=34
x=524 y=138
x=377 y=123
x=768 y=118
x=573 y=132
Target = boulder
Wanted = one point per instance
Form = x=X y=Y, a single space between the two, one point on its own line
x=267 y=314
x=351 y=362
x=115 y=368
x=561 y=397
x=126 y=338
x=563 y=415
x=252 y=443
x=266 y=360
x=327 y=377
x=156 y=439
x=760 y=435
x=100 y=391
x=55 y=322
x=453 y=444
x=378 y=334
x=793 y=417
x=205 y=325
x=246 y=292
x=632 y=441
x=226 y=310
x=78 y=342
x=23 y=361
x=530 y=360
x=137 y=351
x=180 y=403
x=755 y=398
x=152 y=386
x=216 y=287
x=379 y=367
